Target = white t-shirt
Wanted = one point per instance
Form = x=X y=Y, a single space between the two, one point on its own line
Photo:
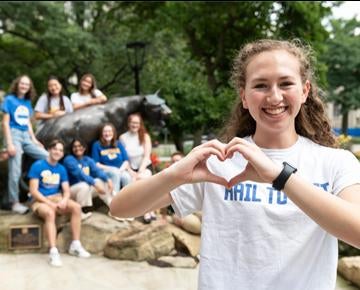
x=254 y=238
x=78 y=99
x=42 y=104
x=134 y=149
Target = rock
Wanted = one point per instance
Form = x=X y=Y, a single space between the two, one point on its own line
x=185 y=241
x=190 y=223
x=349 y=268
x=179 y=262
x=140 y=243
x=9 y=219
x=95 y=231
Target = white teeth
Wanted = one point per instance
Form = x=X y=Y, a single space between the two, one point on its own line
x=275 y=111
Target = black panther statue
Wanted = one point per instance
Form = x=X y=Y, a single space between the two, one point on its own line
x=85 y=123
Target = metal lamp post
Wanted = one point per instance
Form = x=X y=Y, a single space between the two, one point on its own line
x=135 y=52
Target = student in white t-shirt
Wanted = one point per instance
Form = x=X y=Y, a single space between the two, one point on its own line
x=277 y=195
x=88 y=94
x=53 y=103
x=137 y=143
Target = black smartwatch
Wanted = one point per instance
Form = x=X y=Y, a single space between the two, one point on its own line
x=279 y=182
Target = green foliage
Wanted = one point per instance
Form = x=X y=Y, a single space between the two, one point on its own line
x=301 y=19
x=64 y=39
x=190 y=51
x=343 y=59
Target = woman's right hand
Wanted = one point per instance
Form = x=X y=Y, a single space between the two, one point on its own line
x=192 y=168
x=59 y=113
x=11 y=150
x=99 y=188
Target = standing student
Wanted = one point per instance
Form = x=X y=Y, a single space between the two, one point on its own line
x=87 y=94
x=137 y=143
x=49 y=188
x=19 y=135
x=86 y=179
x=274 y=223
x=53 y=104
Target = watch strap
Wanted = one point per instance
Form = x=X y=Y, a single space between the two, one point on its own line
x=279 y=182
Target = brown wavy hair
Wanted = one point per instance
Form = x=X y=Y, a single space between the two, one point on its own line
x=15 y=85
x=93 y=86
x=311 y=122
x=142 y=130
x=113 y=141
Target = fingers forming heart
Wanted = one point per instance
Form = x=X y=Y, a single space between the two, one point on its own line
x=229 y=168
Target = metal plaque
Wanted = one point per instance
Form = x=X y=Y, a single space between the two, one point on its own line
x=25 y=237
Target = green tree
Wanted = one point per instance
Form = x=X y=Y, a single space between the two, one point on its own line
x=343 y=60
x=189 y=56
x=303 y=20
x=212 y=33
x=66 y=39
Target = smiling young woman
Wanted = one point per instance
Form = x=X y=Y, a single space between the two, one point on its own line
x=294 y=179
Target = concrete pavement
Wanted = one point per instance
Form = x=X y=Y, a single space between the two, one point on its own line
x=32 y=272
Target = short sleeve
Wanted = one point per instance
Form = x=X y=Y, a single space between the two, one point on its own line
x=68 y=105
x=187 y=198
x=34 y=172
x=5 y=107
x=347 y=171
x=63 y=174
x=41 y=104
x=74 y=98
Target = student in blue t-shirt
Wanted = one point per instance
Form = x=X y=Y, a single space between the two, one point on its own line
x=19 y=135
x=47 y=179
x=86 y=179
x=110 y=155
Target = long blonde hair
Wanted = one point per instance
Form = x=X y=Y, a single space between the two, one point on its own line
x=311 y=122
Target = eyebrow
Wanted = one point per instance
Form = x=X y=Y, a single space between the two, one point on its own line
x=265 y=79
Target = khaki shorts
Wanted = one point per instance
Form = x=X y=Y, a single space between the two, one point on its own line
x=54 y=198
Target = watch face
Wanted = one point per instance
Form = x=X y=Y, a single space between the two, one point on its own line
x=290 y=167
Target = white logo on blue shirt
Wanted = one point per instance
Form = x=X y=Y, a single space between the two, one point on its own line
x=22 y=115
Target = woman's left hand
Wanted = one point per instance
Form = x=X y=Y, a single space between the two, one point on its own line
x=260 y=168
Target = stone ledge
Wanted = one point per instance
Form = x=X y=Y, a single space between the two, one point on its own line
x=9 y=219
x=349 y=268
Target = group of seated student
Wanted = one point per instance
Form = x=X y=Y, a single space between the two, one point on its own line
x=17 y=111
x=68 y=185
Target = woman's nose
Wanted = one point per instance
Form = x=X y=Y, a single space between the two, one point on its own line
x=275 y=95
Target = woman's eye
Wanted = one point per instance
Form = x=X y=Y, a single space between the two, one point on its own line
x=260 y=86
x=286 y=84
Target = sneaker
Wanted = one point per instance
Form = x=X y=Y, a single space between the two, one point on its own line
x=116 y=218
x=54 y=259
x=85 y=216
x=19 y=208
x=78 y=251
x=153 y=216
x=147 y=218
